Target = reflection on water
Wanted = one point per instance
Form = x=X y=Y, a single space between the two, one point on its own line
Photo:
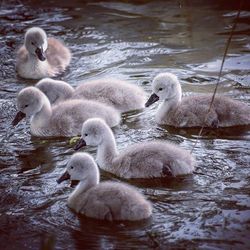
x=232 y=133
x=130 y=40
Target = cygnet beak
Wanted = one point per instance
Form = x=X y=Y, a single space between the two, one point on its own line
x=81 y=143
x=63 y=177
x=19 y=116
x=74 y=183
x=40 y=54
x=152 y=99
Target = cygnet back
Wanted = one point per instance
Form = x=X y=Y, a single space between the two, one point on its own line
x=119 y=94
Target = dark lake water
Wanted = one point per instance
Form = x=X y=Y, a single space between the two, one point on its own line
x=130 y=40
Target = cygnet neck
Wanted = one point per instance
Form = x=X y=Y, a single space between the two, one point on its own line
x=83 y=186
x=35 y=63
x=172 y=102
x=107 y=151
x=41 y=119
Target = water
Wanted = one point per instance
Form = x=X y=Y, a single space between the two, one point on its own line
x=132 y=41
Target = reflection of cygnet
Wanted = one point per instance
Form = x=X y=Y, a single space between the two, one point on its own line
x=107 y=200
x=41 y=57
x=119 y=94
x=141 y=160
x=64 y=119
x=191 y=111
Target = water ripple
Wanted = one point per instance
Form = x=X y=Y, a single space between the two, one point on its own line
x=132 y=41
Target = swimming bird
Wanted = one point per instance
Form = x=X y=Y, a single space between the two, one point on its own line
x=191 y=111
x=119 y=94
x=107 y=200
x=141 y=160
x=55 y=90
x=64 y=119
x=40 y=56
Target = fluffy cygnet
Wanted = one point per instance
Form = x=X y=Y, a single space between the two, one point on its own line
x=55 y=90
x=191 y=111
x=107 y=200
x=141 y=160
x=41 y=56
x=64 y=119
x=119 y=94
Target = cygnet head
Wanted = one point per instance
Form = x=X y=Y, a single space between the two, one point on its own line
x=80 y=167
x=55 y=90
x=35 y=41
x=165 y=87
x=94 y=131
x=30 y=100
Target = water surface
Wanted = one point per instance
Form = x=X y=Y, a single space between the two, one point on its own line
x=133 y=41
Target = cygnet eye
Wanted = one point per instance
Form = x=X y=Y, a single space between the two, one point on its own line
x=72 y=167
x=26 y=105
x=32 y=43
x=86 y=134
x=160 y=89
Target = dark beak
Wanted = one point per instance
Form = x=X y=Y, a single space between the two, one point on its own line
x=40 y=54
x=19 y=116
x=152 y=99
x=74 y=183
x=81 y=143
x=64 y=177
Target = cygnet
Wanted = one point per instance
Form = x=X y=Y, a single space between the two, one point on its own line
x=64 y=119
x=153 y=159
x=191 y=111
x=40 y=56
x=108 y=200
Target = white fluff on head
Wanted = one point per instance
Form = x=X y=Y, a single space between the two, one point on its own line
x=107 y=200
x=35 y=37
x=191 y=111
